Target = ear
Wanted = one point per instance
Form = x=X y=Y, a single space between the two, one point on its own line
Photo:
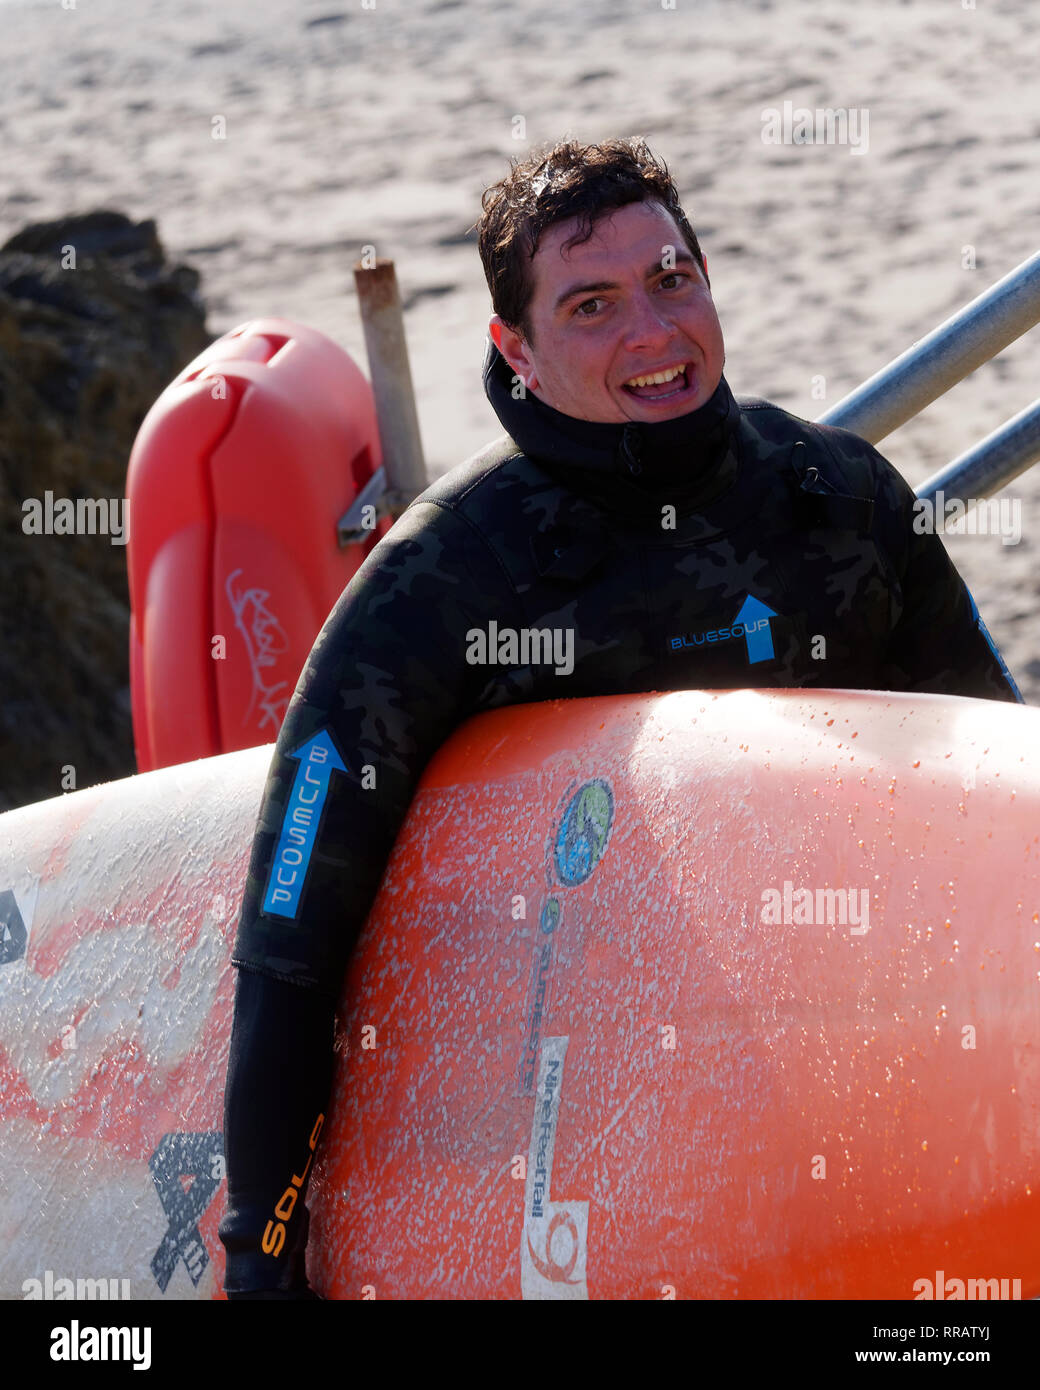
x=514 y=349
x=704 y=260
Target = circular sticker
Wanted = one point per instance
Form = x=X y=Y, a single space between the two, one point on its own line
x=583 y=832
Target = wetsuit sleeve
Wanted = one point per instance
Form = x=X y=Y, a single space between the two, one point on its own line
x=939 y=642
x=385 y=684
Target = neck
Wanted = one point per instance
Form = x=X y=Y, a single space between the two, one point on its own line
x=635 y=462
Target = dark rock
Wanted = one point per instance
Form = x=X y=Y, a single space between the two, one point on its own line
x=86 y=346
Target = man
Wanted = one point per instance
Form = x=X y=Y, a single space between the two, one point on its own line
x=634 y=506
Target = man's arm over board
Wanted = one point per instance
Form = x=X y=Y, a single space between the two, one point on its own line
x=385 y=684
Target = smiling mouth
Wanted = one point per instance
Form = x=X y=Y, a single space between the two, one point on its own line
x=653 y=388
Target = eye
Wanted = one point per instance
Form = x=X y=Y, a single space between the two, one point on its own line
x=584 y=305
x=677 y=275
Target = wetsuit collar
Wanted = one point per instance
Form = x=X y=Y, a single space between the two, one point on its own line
x=688 y=460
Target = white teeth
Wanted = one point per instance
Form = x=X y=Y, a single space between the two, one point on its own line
x=658 y=379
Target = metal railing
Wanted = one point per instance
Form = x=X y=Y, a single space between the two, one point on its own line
x=930 y=367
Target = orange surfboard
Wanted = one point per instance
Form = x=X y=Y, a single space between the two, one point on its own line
x=707 y=995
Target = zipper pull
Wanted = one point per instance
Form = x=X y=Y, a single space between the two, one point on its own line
x=810 y=479
x=630 y=448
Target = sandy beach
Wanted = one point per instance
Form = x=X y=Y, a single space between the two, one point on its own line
x=350 y=126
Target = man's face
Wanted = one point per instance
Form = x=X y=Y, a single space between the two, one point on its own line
x=607 y=312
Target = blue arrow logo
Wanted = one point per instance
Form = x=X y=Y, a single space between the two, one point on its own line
x=755 y=615
x=318 y=760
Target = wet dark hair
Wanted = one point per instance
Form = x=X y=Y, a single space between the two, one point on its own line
x=554 y=185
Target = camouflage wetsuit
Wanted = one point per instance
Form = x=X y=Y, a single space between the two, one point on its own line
x=711 y=551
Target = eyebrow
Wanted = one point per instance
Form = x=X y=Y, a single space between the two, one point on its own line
x=681 y=258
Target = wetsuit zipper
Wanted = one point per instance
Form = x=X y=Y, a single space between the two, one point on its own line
x=630 y=439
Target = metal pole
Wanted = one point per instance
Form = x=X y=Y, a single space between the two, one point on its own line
x=963 y=342
x=994 y=461
x=383 y=322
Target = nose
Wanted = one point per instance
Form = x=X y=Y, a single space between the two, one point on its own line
x=647 y=325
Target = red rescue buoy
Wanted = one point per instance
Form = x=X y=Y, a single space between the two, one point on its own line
x=237 y=480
